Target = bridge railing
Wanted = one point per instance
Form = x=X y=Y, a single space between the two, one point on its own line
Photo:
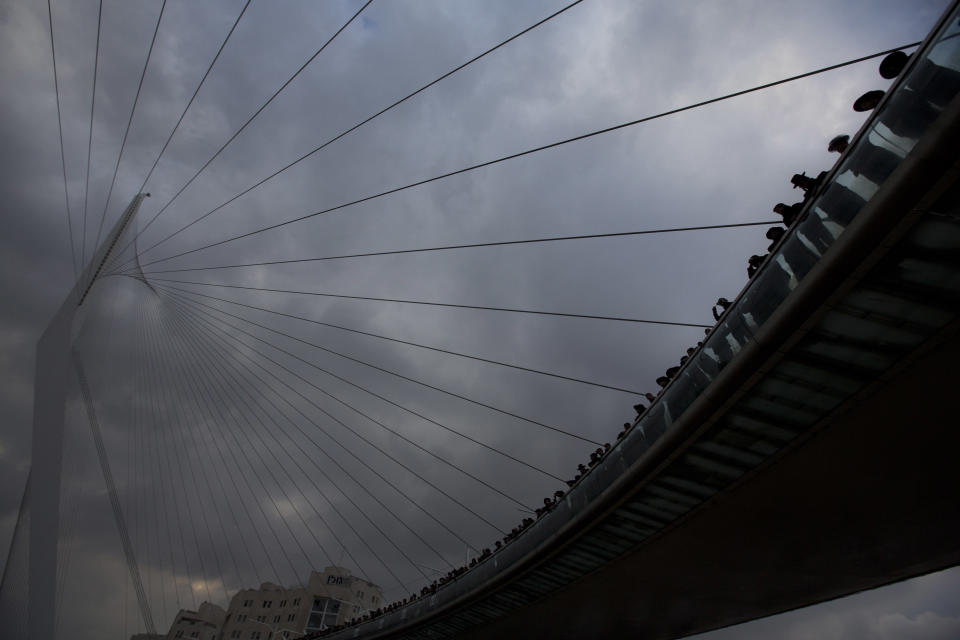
x=928 y=84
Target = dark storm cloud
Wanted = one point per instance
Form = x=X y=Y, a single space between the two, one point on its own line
x=599 y=64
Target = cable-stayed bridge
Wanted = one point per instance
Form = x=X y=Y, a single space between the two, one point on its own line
x=799 y=452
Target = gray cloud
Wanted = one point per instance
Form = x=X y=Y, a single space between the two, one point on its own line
x=597 y=65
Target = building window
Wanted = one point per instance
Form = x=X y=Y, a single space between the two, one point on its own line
x=254 y=635
x=291 y=617
x=178 y=634
x=242 y=617
x=374 y=599
x=261 y=618
x=360 y=594
x=194 y=634
x=248 y=603
x=296 y=601
x=267 y=604
x=276 y=618
x=283 y=603
x=324 y=614
x=235 y=634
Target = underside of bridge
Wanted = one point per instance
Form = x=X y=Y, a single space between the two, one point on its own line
x=868 y=495
x=869 y=499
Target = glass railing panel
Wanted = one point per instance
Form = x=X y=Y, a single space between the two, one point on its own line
x=929 y=85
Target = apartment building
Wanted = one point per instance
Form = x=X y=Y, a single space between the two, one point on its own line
x=329 y=597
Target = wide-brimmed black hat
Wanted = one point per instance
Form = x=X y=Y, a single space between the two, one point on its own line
x=868 y=101
x=893 y=64
x=839 y=143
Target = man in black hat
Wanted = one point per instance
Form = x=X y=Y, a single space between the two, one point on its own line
x=805 y=183
x=789 y=212
x=753 y=263
x=839 y=143
x=773 y=235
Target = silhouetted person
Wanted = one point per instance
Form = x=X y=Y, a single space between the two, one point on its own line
x=804 y=182
x=916 y=105
x=774 y=234
x=639 y=408
x=673 y=371
x=723 y=304
x=839 y=143
x=649 y=396
x=893 y=64
x=868 y=101
x=753 y=263
x=663 y=381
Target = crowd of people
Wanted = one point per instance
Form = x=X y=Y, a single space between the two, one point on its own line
x=789 y=214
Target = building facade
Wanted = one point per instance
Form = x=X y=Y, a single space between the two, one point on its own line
x=203 y=624
x=330 y=597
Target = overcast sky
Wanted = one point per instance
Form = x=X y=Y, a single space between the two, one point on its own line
x=601 y=63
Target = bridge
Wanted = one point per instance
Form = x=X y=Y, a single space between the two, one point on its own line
x=802 y=451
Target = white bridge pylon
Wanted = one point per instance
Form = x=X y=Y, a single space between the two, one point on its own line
x=51 y=377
